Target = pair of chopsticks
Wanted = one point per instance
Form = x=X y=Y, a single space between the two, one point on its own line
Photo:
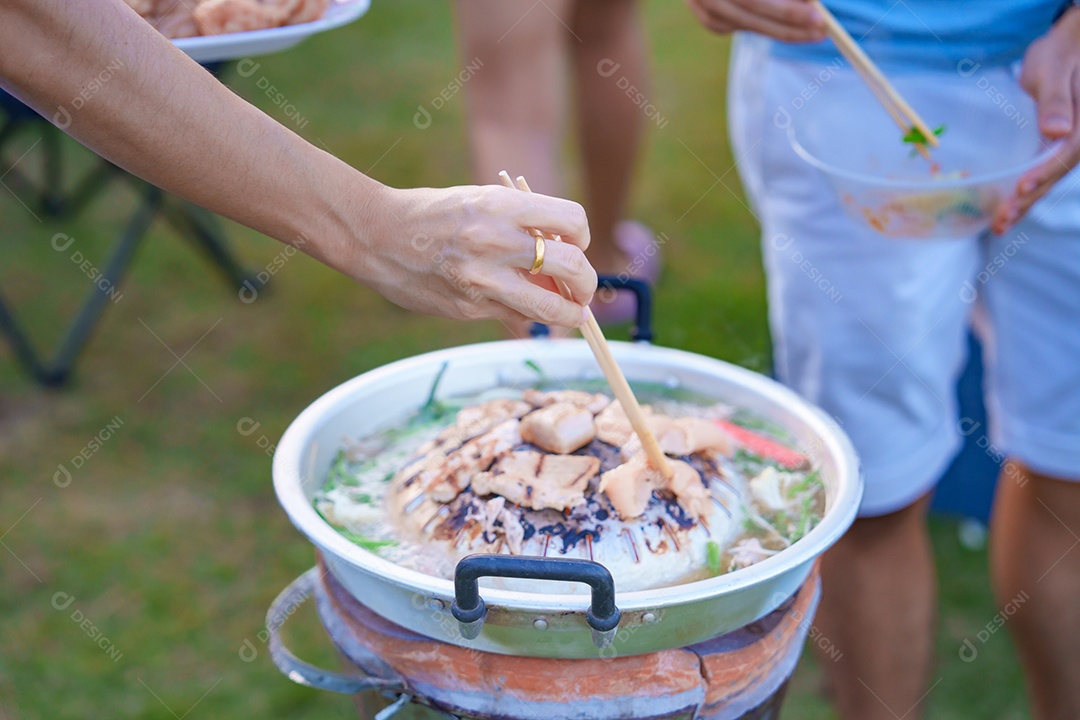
x=590 y=330
x=901 y=112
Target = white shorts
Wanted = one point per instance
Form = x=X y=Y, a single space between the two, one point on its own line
x=874 y=330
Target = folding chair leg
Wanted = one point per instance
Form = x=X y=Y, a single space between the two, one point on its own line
x=13 y=179
x=52 y=194
x=195 y=224
x=97 y=299
x=89 y=187
x=24 y=350
x=78 y=333
x=8 y=130
x=204 y=229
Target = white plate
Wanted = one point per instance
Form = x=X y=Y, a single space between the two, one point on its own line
x=214 y=48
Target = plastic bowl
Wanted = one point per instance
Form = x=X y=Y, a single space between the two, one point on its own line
x=991 y=139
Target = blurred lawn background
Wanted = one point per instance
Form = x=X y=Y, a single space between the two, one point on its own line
x=169 y=537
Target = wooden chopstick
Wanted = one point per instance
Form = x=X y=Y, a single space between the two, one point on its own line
x=893 y=111
x=904 y=115
x=594 y=336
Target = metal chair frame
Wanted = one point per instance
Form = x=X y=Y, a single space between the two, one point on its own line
x=196 y=225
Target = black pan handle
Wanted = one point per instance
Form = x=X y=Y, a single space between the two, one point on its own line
x=642 y=331
x=469 y=608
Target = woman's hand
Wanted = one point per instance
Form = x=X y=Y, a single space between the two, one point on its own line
x=461 y=253
x=1051 y=75
x=788 y=20
x=465 y=253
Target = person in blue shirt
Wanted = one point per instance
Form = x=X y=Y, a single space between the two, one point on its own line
x=882 y=353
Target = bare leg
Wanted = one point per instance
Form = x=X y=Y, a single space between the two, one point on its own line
x=516 y=100
x=611 y=123
x=1035 y=558
x=877 y=609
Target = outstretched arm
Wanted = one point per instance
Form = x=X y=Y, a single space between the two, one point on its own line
x=456 y=252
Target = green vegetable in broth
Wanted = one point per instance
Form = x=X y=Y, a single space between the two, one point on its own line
x=339 y=473
x=811 y=482
x=367 y=543
x=535 y=367
x=712 y=557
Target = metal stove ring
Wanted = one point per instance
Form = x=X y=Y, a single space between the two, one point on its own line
x=303 y=673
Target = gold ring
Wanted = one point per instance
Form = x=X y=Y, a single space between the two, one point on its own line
x=538 y=263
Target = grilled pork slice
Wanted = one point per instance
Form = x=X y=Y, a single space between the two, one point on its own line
x=686 y=485
x=561 y=427
x=630 y=485
x=474 y=421
x=482 y=417
x=445 y=478
x=513 y=531
x=613 y=427
x=594 y=403
x=490 y=514
x=661 y=428
x=692 y=435
x=683 y=436
x=539 y=481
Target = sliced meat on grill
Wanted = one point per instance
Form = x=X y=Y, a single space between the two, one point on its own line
x=660 y=425
x=630 y=486
x=593 y=402
x=423 y=469
x=444 y=482
x=474 y=421
x=747 y=552
x=698 y=435
x=612 y=425
x=492 y=509
x=561 y=428
x=510 y=528
x=683 y=436
x=539 y=481
x=484 y=416
x=513 y=532
x=686 y=485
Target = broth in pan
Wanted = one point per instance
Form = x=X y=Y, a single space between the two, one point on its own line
x=556 y=470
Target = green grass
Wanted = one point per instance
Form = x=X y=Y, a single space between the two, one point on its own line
x=169 y=537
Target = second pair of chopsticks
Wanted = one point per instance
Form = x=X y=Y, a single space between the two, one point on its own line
x=901 y=112
x=593 y=335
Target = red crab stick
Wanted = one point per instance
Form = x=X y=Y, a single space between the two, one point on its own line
x=763 y=446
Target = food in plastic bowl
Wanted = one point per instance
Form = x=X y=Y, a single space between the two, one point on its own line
x=882 y=182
